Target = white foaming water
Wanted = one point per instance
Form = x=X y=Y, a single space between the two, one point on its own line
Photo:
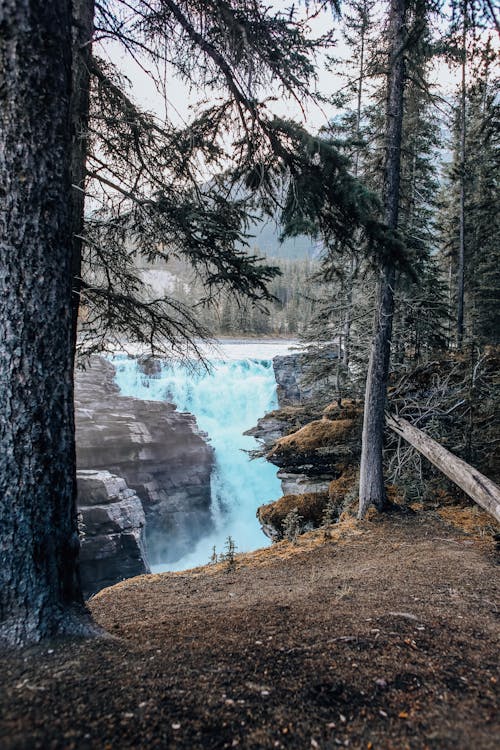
x=226 y=401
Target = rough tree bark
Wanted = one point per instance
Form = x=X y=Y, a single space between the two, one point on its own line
x=371 y=480
x=39 y=587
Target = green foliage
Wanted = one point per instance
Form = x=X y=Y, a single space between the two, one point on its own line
x=158 y=190
x=188 y=196
x=229 y=555
x=482 y=207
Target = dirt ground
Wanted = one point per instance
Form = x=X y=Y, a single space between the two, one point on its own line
x=384 y=636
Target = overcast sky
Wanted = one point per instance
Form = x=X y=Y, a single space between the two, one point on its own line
x=179 y=99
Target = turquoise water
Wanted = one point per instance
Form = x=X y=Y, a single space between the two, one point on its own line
x=226 y=401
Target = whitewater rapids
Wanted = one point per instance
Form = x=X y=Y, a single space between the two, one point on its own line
x=227 y=400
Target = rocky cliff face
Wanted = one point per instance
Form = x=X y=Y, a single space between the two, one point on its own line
x=321 y=448
x=111 y=522
x=158 y=451
x=289 y=372
x=313 y=447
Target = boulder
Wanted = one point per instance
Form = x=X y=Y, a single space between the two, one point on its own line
x=111 y=523
x=159 y=452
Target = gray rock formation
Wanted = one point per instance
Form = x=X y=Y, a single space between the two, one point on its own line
x=158 y=451
x=301 y=484
x=290 y=371
x=111 y=522
x=320 y=449
x=268 y=429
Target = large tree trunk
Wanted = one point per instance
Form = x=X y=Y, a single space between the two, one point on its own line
x=461 y=237
x=83 y=27
x=39 y=587
x=371 y=480
x=481 y=489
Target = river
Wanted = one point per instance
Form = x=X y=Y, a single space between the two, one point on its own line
x=226 y=400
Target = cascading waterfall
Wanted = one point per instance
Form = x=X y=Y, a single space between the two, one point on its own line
x=226 y=401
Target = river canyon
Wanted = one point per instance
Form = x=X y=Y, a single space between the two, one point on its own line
x=173 y=434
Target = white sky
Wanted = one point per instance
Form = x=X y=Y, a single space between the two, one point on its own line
x=179 y=100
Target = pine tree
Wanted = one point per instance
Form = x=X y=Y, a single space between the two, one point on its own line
x=40 y=594
x=420 y=317
x=468 y=220
x=371 y=481
x=335 y=344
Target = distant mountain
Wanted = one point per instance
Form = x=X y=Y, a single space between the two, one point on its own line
x=266 y=239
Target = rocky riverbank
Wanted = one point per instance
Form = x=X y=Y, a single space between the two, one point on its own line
x=158 y=453
x=315 y=448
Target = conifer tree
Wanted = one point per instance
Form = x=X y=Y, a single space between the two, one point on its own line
x=40 y=594
x=371 y=480
x=420 y=316
x=478 y=188
x=335 y=341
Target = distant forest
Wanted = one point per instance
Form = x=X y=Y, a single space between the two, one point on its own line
x=446 y=289
x=288 y=313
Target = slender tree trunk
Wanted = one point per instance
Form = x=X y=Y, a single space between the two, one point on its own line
x=371 y=481
x=361 y=81
x=461 y=240
x=353 y=262
x=451 y=310
x=348 y=314
x=83 y=27
x=39 y=587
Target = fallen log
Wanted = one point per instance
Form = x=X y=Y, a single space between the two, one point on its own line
x=481 y=489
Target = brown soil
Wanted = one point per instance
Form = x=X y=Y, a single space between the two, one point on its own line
x=384 y=635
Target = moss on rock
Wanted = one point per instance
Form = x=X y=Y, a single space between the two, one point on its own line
x=310 y=506
x=321 y=433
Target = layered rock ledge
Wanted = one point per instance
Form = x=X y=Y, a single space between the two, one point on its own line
x=314 y=449
x=158 y=451
x=111 y=522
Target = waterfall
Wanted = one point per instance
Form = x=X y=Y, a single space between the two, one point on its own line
x=226 y=401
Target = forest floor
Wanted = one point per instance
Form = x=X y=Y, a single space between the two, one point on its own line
x=380 y=635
